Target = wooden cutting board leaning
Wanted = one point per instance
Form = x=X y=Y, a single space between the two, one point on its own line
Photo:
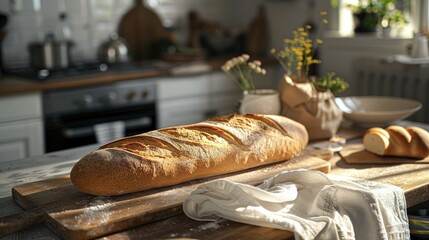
x=141 y=28
x=74 y=215
x=356 y=154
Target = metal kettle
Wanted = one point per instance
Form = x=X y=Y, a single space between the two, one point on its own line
x=114 y=50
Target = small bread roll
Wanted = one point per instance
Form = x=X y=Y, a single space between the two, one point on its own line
x=397 y=141
x=376 y=140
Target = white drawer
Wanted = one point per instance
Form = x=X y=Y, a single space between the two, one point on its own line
x=177 y=87
x=21 y=139
x=20 y=107
x=183 y=111
x=221 y=83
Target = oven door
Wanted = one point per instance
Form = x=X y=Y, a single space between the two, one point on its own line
x=74 y=130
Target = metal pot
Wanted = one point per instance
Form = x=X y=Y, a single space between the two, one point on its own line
x=114 y=50
x=50 y=54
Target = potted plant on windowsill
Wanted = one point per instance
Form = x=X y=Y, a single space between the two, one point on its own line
x=241 y=70
x=371 y=15
x=305 y=98
x=367 y=16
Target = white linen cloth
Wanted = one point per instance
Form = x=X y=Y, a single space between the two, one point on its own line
x=311 y=204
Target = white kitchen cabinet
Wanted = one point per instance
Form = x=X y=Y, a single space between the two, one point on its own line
x=21 y=127
x=194 y=98
x=21 y=139
x=182 y=100
x=182 y=87
x=225 y=104
x=183 y=111
x=20 y=107
x=191 y=99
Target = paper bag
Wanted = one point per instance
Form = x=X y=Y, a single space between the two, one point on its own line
x=317 y=111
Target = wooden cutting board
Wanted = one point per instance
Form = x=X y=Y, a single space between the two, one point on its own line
x=356 y=154
x=141 y=28
x=74 y=215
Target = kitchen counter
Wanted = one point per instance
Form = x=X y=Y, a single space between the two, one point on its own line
x=411 y=177
x=16 y=85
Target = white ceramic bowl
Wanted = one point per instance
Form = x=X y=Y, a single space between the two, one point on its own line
x=376 y=110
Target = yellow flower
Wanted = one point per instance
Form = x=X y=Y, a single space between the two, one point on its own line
x=297 y=52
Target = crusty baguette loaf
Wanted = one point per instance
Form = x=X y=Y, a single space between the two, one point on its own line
x=397 y=141
x=177 y=154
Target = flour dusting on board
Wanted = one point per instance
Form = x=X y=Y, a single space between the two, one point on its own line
x=209 y=226
x=95 y=213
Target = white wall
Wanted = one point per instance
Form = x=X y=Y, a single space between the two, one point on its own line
x=339 y=54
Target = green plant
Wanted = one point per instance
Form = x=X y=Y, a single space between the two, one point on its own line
x=394 y=17
x=369 y=6
x=330 y=82
x=297 y=56
x=241 y=71
x=383 y=11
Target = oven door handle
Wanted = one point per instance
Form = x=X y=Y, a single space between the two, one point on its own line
x=89 y=130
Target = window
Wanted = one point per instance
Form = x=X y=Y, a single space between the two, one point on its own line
x=406 y=8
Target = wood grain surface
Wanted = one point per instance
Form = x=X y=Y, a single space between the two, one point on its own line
x=411 y=176
x=74 y=215
x=257 y=34
x=181 y=227
x=356 y=154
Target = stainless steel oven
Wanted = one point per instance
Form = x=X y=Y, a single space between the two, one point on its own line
x=70 y=115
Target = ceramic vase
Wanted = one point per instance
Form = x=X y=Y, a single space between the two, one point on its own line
x=261 y=101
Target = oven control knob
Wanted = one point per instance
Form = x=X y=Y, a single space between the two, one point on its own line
x=145 y=94
x=131 y=96
x=109 y=98
x=84 y=101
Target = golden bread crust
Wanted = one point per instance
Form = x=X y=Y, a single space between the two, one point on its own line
x=398 y=141
x=177 y=154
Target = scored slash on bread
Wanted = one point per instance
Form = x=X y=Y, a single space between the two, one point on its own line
x=173 y=155
x=397 y=141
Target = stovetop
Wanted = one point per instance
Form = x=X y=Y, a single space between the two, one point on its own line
x=77 y=70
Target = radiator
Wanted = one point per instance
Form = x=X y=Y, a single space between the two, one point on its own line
x=381 y=78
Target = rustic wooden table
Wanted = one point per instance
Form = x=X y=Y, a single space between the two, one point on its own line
x=412 y=178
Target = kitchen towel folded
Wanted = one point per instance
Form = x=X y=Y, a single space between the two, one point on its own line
x=311 y=204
